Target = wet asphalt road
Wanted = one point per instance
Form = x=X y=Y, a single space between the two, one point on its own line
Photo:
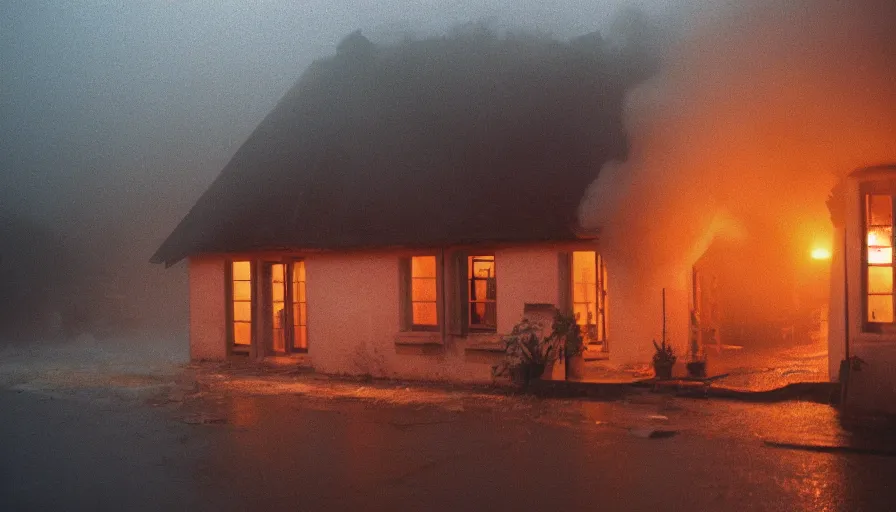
x=86 y=451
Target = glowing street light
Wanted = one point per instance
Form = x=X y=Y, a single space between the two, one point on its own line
x=821 y=253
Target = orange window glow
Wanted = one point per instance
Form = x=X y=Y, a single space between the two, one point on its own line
x=242 y=302
x=483 y=291
x=589 y=295
x=278 y=303
x=584 y=275
x=424 y=294
x=299 y=307
x=879 y=258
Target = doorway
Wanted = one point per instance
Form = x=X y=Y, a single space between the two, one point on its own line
x=286 y=308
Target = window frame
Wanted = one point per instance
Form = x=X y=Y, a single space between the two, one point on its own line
x=469 y=279
x=885 y=188
x=290 y=311
x=232 y=346
x=285 y=320
x=568 y=302
x=406 y=298
x=595 y=291
x=603 y=276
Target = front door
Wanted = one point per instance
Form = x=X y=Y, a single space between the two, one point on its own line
x=298 y=307
x=287 y=307
x=279 y=323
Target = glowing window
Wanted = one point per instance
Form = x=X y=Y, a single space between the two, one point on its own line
x=424 y=294
x=278 y=306
x=589 y=295
x=241 y=304
x=483 y=291
x=879 y=258
x=299 y=307
x=584 y=292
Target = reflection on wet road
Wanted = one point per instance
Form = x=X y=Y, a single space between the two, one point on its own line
x=764 y=368
x=288 y=452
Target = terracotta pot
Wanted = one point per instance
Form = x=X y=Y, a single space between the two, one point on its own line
x=555 y=370
x=523 y=375
x=575 y=367
x=663 y=370
x=535 y=371
x=697 y=369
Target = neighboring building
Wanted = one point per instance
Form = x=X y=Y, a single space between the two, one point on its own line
x=863 y=306
x=400 y=207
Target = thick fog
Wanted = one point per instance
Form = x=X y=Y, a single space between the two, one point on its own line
x=115 y=117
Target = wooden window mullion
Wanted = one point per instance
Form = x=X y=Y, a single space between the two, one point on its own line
x=404 y=294
x=288 y=323
x=440 y=293
x=456 y=289
x=564 y=264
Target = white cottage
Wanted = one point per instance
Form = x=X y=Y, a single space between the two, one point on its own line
x=400 y=207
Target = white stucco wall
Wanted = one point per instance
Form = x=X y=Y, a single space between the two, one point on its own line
x=353 y=315
x=836 y=317
x=352 y=312
x=874 y=386
x=354 y=318
x=525 y=275
x=208 y=324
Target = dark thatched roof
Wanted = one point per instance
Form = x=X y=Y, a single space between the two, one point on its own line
x=458 y=140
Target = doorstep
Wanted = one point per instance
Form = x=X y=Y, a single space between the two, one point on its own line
x=286 y=363
x=595 y=355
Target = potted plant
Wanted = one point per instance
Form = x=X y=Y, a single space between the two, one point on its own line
x=663 y=360
x=566 y=331
x=697 y=368
x=526 y=353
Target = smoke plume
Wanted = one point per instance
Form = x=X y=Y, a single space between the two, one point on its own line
x=756 y=111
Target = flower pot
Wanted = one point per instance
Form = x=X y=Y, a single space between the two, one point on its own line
x=575 y=367
x=697 y=369
x=663 y=370
x=555 y=370
x=522 y=375
x=535 y=371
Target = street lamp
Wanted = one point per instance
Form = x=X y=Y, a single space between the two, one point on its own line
x=821 y=253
